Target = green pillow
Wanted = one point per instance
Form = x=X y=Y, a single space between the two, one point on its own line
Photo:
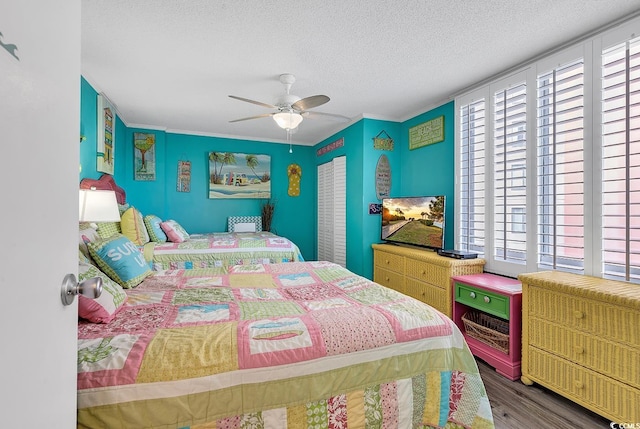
x=152 y=222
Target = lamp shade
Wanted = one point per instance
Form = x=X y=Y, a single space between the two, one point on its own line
x=98 y=206
x=287 y=120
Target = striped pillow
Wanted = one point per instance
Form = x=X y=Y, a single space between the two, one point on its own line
x=133 y=227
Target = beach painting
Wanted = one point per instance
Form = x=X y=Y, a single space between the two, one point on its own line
x=239 y=175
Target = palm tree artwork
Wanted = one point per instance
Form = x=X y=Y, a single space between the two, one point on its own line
x=230 y=177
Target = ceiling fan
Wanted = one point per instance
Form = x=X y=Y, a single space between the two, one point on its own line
x=291 y=109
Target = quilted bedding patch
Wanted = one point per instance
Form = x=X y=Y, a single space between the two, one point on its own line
x=222 y=249
x=240 y=346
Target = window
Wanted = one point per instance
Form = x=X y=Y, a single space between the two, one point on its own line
x=561 y=188
x=560 y=163
x=621 y=161
x=472 y=164
x=509 y=148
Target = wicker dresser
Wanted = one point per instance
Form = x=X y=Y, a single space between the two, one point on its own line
x=421 y=274
x=581 y=338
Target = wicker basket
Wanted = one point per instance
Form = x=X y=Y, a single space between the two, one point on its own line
x=487 y=329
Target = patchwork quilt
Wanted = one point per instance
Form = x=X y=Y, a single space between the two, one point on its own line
x=289 y=345
x=222 y=249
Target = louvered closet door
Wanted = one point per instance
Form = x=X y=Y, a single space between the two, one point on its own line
x=332 y=210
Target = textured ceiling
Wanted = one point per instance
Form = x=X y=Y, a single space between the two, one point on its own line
x=172 y=64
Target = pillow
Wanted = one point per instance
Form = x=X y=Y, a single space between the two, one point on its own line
x=86 y=233
x=232 y=221
x=175 y=232
x=120 y=259
x=133 y=227
x=104 y=308
x=244 y=227
x=152 y=222
x=107 y=229
x=123 y=208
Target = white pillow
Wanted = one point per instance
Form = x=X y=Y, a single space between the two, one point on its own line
x=244 y=227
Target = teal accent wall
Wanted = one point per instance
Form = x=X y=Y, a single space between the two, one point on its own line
x=428 y=170
x=294 y=217
x=363 y=229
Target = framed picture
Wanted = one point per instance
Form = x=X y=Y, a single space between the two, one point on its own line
x=106 y=135
x=239 y=175
x=184 y=176
x=144 y=154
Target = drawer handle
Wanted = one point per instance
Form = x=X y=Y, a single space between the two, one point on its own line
x=487 y=299
x=472 y=294
x=386 y=261
x=578 y=349
x=424 y=272
x=578 y=314
x=578 y=384
x=387 y=278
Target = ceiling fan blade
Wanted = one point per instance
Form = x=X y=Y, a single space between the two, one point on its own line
x=310 y=102
x=315 y=114
x=264 y=115
x=259 y=103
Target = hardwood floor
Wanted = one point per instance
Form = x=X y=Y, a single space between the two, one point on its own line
x=516 y=405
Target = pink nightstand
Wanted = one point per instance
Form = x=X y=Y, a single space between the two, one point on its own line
x=493 y=298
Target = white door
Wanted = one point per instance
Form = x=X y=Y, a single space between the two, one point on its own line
x=39 y=138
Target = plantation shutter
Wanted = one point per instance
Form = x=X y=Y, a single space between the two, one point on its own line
x=471 y=198
x=560 y=163
x=332 y=203
x=621 y=161
x=509 y=174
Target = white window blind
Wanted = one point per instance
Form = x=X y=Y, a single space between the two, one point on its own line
x=560 y=165
x=621 y=161
x=332 y=211
x=509 y=159
x=471 y=198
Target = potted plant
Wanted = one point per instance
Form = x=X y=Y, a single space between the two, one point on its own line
x=267 y=208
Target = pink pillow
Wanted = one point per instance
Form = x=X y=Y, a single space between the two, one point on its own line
x=104 y=308
x=175 y=232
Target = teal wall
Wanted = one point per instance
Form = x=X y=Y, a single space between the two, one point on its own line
x=428 y=170
x=294 y=217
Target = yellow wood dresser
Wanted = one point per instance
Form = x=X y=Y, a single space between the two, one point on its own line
x=421 y=273
x=581 y=339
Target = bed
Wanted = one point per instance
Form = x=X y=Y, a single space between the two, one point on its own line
x=222 y=249
x=167 y=245
x=284 y=345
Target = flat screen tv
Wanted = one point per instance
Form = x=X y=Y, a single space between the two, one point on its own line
x=414 y=221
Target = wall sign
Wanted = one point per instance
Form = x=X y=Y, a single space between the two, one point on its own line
x=383 y=177
x=331 y=146
x=383 y=141
x=426 y=133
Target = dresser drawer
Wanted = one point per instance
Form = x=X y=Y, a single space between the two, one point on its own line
x=597 y=353
x=389 y=261
x=388 y=278
x=427 y=272
x=614 y=322
x=489 y=302
x=612 y=399
x=429 y=294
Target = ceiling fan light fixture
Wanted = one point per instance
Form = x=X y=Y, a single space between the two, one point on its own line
x=288 y=120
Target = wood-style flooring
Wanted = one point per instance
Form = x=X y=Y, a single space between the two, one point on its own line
x=517 y=406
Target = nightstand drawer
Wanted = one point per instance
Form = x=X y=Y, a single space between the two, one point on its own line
x=489 y=302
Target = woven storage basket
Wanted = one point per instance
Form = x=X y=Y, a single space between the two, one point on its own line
x=487 y=329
